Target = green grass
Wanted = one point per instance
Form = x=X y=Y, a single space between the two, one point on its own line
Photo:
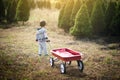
x=19 y=58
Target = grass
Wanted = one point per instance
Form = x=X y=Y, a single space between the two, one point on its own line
x=19 y=59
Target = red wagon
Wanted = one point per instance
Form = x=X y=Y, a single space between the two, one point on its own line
x=66 y=55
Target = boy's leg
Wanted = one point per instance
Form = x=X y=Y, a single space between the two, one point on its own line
x=40 y=49
x=45 y=48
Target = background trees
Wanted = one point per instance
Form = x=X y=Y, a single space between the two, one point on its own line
x=32 y=4
x=90 y=5
x=61 y=16
x=23 y=11
x=19 y=10
x=44 y=4
x=115 y=23
x=103 y=15
x=65 y=20
x=109 y=15
x=75 y=9
x=103 y=20
x=11 y=11
x=82 y=24
x=2 y=10
x=98 y=18
x=57 y=5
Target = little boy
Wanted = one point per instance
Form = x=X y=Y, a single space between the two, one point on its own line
x=42 y=38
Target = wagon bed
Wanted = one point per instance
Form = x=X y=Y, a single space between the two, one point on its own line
x=66 y=55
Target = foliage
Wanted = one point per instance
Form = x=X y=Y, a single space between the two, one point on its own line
x=40 y=4
x=44 y=4
x=97 y=19
x=60 y=16
x=2 y=10
x=58 y=5
x=32 y=4
x=90 y=5
x=115 y=24
x=82 y=24
x=110 y=13
x=6 y=3
x=11 y=11
x=104 y=18
x=76 y=8
x=65 y=21
x=23 y=10
x=48 y=4
x=105 y=4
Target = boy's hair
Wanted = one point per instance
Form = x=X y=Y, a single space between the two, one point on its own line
x=42 y=23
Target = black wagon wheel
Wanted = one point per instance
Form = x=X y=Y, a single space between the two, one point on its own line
x=62 y=68
x=80 y=65
x=51 y=62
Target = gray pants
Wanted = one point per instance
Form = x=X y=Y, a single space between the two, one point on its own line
x=42 y=48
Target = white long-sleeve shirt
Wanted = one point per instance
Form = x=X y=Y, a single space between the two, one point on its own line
x=41 y=34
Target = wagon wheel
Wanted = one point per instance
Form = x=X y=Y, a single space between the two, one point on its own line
x=68 y=62
x=80 y=65
x=51 y=62
x=62 y=68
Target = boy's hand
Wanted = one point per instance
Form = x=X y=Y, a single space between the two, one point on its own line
x=47 y=40
x=36 y=40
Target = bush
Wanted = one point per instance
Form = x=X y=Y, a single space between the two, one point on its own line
x=82 y=24
x=110 y=13
x=90 y=5
x=32 y=4
x=40 y=4
x=97 y=19
x=65 y=20
x=23 y=11
x=11 y=11
x=60 y=16
x=76 y=8
x=57 y=5
x=115 y=24
x=48 y=4
x=2 y=10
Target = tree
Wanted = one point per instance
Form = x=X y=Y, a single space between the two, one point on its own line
x=57 y=5
x=11 y=11
x=82 y=25
x=97 y=18
x=76 y=8
x=115 y=24
x=32 y=4
x=104 y=5
x=60 y=16
x=48 y=4
x=2 y=10
x=40 y=4
x=6 y=3
x=65 y=21
x=90 y=5
x=23 y=11
x=110 y=13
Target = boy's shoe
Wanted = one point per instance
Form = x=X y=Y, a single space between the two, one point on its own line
x=46 y=55
x=39 y=54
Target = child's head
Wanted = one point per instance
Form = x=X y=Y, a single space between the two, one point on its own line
x=42 y=23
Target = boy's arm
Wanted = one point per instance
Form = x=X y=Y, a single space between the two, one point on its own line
x=37 y=35
x=45 y=33
x=46 y=37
